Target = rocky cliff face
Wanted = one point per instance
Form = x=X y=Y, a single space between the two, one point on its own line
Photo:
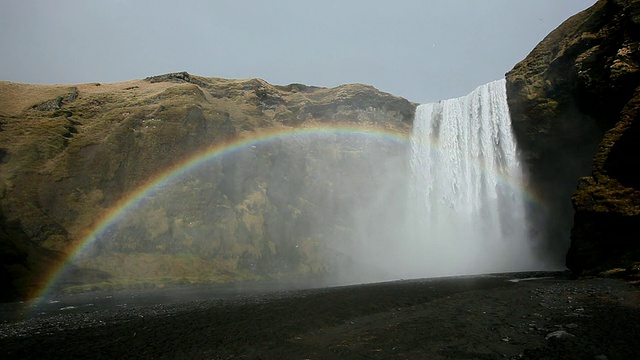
x=70 y=153
x=578 y=83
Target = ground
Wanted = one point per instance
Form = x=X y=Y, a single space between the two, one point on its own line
x=479 y=317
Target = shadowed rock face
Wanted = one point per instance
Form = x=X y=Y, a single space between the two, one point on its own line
x=70 y=153
x=607 y=204
x=578 y=83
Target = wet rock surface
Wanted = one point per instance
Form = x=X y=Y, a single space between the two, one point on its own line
x=474 y=317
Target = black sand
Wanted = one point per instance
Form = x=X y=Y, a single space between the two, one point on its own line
x=483 y=317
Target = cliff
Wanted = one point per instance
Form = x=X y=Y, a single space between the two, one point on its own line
x=574 y=96
x=284 y=177
x=70 y=153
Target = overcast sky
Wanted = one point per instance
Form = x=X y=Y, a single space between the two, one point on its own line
x=423 y=50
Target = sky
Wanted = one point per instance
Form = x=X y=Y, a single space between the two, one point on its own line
x=422 y=50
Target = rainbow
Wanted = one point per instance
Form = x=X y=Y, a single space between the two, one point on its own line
x=135 y=198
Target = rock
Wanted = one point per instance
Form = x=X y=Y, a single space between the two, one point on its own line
x=560 y=335
x=58 y=102
x=607 y=205
x=574 y=103
x=181 y=76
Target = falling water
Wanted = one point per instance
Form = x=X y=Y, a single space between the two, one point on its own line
x=468 y=203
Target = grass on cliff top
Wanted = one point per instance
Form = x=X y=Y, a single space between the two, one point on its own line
x=17 y=97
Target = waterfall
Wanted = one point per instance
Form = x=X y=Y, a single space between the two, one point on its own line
x=468 y=204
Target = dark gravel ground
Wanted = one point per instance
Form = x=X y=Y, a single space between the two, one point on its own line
x=477 y=317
